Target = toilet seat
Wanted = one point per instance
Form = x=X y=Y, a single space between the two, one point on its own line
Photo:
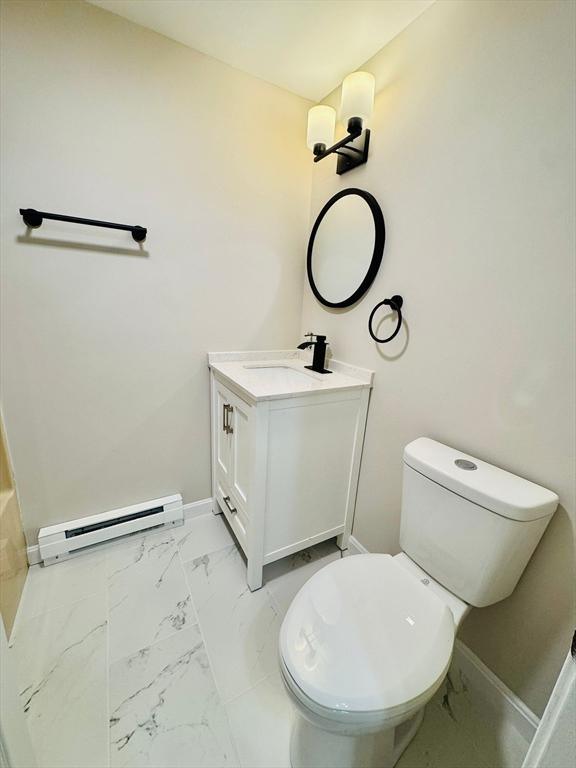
x=364 y=637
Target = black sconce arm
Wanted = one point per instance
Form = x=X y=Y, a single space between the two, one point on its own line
x=347 y=161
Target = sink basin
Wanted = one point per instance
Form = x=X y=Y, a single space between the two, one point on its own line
x=281 y=375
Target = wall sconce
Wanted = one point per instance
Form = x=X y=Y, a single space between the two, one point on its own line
x=355 y=107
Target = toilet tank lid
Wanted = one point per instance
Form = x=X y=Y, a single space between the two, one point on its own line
x=482 y=483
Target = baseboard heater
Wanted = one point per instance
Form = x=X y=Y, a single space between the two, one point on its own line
x=58 y=542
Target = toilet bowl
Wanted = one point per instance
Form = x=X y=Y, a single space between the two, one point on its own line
x=368 y=639
x=364 y=645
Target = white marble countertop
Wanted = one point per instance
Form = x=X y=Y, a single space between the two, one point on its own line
x=276 y=374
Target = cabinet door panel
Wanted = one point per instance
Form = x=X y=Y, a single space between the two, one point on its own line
x=221 y=437
x=240 y=460
x=310 y=451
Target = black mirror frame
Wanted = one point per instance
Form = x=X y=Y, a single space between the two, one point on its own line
x=379 y=240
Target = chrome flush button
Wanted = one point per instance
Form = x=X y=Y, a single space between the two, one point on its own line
x=465 y=464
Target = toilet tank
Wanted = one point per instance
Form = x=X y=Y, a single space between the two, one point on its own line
x=472 y=526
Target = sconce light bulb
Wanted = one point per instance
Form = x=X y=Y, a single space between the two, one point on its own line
x=357 y=99
x=321 y=124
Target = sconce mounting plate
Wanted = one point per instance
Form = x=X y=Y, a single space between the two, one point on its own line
x=354 y=154
x=352 y=151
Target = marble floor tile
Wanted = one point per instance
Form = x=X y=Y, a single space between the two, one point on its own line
x=261 y=721
x=187 y=688
x=165 y=711
x=488 y=732
x=148 y=594
x=442 y=742
x=63 y=583
x=202 y=535
x=62 y=672
x=240 y=627
x=284 y=578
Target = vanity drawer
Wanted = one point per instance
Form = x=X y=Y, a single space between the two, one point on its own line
x=233 y=511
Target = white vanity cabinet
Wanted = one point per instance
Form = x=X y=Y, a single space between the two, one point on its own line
x=286 y=450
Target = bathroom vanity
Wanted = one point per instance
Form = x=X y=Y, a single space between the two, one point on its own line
x=286 y=450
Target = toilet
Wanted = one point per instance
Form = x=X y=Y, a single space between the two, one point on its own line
x=368 y=639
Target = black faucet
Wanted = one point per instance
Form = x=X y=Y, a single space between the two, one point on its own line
x=319 y=359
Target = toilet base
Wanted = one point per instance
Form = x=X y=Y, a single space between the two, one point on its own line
x=313 y=747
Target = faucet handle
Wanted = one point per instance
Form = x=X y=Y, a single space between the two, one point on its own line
x=310 y=334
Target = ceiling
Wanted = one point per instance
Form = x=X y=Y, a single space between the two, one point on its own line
x=304 y=46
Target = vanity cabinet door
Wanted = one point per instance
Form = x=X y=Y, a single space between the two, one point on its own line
x=233 y=441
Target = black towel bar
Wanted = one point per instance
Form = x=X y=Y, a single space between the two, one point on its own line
x=33 y=218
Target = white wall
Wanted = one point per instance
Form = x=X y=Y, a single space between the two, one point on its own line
x=104 y=378
x=472 y=161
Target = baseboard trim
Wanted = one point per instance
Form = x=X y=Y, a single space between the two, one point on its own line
x=197 y=508
x=33 y=554
x=193 y=509
x=492 y=691
x=355 y=547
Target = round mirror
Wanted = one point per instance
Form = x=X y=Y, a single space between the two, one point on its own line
x=345 y=248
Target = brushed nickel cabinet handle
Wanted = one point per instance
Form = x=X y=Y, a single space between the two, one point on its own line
x=231 y=509
x=226 y=411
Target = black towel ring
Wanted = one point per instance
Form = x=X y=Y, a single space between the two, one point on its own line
x=396 y=304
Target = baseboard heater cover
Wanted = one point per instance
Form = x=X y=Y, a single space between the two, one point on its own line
x=58 y=542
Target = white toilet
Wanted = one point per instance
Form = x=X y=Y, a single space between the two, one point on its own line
x=368 y=640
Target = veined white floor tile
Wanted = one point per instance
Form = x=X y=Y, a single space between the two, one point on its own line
x=240 y=627
x=442 y=742
x=165 y=711
x=166 y=698
x=489 y=733
x=63 y=583
x=61 y=659
x=125 y=550
x=284 y=578
x=148 y=594
x=261 y=721
x=202 y=535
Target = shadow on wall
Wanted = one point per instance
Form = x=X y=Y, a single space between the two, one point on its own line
x=550 y=625
x=384 y=328
x=27 y=239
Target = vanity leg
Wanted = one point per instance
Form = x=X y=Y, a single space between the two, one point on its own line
x=342 y=541
x=254 y=575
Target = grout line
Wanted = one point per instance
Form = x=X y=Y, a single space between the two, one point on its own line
x=275 y=604
x=177 y=632
x=199 y=624
x=209 y=552
x=236 y=696
x=108 y=712
x=25 y=619
x=170 y=633
x=210 y=663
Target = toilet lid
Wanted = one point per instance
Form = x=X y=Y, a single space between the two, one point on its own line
x=364 y=634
